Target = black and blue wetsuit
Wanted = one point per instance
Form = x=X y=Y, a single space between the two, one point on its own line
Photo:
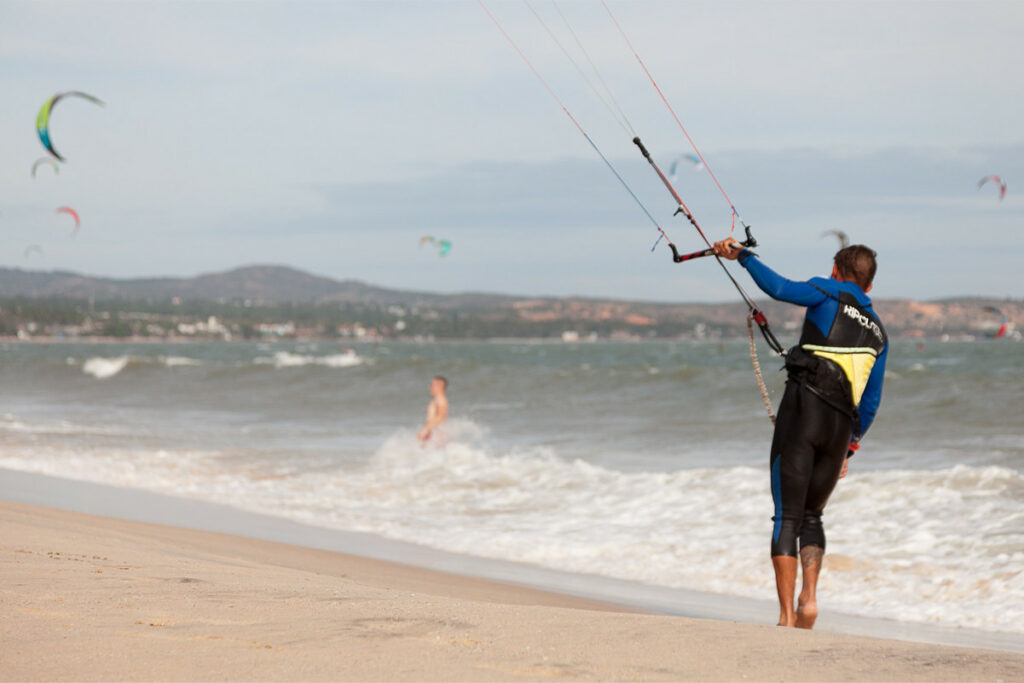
x=833 y=391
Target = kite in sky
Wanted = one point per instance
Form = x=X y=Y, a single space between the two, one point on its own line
x=1003 y=326
x=74 y=214
x=43 y=120
x=844 y=241
x=443 y=246
x=693 y=159
x=45 y=160
x=995 y=179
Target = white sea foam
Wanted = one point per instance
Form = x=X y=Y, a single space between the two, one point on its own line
x=179 y=361
x=11 y=425
x=285 y=359
x=943 y=546
x=105 y=368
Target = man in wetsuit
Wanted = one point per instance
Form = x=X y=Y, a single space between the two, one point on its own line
x=833 y=390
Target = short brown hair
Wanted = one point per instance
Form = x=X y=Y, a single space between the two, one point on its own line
x=443 y=380
x=857 y=263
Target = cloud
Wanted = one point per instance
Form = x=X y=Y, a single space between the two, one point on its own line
x=571 y=193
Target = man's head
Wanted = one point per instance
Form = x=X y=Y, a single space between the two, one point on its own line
x=438 y=385
x=856 y=264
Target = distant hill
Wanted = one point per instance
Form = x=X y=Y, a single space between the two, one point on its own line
x=269 y=284
x=261 y=284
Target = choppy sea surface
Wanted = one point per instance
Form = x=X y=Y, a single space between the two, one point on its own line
x=643 y=461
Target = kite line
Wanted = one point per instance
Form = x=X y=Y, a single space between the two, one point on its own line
x=732 y=207
x=574 y=121
x=755 y=315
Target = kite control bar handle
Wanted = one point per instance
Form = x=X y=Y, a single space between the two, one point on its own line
x=680 y=258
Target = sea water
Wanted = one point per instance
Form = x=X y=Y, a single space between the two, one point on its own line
x=642 y=461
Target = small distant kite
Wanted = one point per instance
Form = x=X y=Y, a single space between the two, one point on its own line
x=43 y=120
x=443 y=246
x=33 y=249
x=1003 y=325
x=74 y=214
x=844 y=241
x=45 y=161
x=995 y=179
x=693 y=159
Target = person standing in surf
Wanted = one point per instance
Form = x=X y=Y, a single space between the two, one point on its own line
x=833 y=390
x=437 y=413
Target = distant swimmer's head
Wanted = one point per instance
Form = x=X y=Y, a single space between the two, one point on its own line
x=856 y=264
x=438 y=385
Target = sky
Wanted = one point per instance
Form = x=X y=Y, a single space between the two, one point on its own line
x=332 y=136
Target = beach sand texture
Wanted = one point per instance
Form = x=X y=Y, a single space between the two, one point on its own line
x=91 y=598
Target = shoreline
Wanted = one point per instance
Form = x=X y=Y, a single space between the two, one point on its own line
x=554 y=339
x=94 y=598
x=147 y=507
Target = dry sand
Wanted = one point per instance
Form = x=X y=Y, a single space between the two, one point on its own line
x=92 y=598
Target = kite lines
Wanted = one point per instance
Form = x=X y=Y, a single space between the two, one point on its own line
x=572 y=118
x=700 y=162
x=672 y=111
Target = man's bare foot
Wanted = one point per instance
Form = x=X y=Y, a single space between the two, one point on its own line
x=806 y=615
x=807 y=607
x=788 y=622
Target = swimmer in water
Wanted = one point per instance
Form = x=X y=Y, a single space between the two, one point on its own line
x=437 y=413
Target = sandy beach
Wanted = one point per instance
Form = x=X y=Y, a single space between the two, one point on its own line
x=94 y=598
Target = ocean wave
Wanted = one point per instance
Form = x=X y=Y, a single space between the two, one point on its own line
x=943 y=546
x=179 y=361
x=286 y=359
x=105 y=368
x=12 y=425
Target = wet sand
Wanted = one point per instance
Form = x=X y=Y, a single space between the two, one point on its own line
x=93 y=598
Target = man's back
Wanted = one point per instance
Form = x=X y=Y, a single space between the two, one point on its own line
x=840 y=325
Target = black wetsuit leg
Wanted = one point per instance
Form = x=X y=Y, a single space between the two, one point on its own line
x=808 y=449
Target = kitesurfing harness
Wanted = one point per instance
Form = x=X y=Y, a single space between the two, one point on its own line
x=836 y=364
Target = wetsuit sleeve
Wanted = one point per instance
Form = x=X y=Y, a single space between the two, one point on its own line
x=778 y=287
x=872 y=396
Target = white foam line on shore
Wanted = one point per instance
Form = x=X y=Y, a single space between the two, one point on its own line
x=143 y=506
